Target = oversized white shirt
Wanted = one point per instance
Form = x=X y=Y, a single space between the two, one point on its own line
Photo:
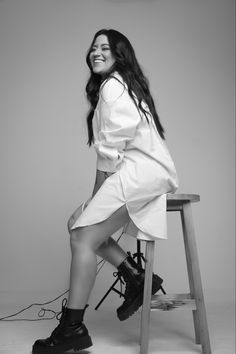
x=127 y=144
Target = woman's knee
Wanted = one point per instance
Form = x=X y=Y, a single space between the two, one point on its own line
x=75 y=236
x=73 y=218
x=85 y=237
x=79 y=241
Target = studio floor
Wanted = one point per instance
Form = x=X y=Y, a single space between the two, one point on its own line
x=170 y=332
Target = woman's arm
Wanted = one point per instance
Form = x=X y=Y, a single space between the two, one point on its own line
x=119 y=119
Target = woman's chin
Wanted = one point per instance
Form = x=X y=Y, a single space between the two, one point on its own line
x=97 y=71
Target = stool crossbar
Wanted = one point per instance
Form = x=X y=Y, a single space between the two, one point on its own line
x=195 y=299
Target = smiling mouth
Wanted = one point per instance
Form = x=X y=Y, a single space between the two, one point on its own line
x=98 y=61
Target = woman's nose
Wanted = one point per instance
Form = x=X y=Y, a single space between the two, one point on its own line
x=97 y=52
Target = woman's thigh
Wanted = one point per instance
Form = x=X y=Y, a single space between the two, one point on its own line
x=94 y=235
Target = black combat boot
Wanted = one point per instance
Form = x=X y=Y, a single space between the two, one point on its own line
x=70 y=334
x=133 y=276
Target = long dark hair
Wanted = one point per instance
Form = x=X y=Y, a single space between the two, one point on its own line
x=129 y=69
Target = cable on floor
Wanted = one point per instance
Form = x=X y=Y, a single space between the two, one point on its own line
x=43 y=311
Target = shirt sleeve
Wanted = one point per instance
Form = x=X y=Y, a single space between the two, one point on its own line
x=119 y=121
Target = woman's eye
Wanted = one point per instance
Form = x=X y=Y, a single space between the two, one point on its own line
x=102 y=49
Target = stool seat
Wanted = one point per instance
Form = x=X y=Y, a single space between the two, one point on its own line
x=182 y=198
x=176 y=201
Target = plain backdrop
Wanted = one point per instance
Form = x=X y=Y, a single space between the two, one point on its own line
x=186 y=49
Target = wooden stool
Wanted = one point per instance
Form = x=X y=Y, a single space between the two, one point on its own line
x=194 y=300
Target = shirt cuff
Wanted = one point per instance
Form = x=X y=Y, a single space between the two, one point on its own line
x=103 y=164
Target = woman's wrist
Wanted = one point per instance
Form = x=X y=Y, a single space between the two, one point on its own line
x=107 y=174
x=101 y=176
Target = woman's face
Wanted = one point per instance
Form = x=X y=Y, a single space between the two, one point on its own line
x=101 y=58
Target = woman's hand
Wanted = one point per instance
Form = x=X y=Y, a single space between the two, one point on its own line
x=101 y=176
x=86 y=203
x=108 y=174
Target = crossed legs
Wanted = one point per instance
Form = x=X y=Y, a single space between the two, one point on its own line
x=86 y=243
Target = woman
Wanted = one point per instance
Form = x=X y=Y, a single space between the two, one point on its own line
x=134 y=174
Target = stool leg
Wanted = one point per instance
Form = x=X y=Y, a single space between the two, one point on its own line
x=147 y=293
x=199 y=315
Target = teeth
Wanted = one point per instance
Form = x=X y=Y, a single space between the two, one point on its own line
x=98 y=61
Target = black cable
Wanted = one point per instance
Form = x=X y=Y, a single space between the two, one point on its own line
x=39 y=313
x=43 y=311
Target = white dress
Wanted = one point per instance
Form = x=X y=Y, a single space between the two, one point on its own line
x=144 y=170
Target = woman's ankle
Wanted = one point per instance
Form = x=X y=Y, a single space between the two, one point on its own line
x=75 y=315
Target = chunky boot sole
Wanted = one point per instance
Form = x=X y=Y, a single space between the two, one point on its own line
x=138 y=301
x=72 y=346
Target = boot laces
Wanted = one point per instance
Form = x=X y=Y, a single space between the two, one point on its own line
x=61 y=318
x=128 y=286
x=128 y=289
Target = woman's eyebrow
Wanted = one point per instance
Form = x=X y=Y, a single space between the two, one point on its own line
x=102 y=45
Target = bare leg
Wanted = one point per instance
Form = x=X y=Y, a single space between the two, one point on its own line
x=109 y=250
x=112 y=252
x=85 y=242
